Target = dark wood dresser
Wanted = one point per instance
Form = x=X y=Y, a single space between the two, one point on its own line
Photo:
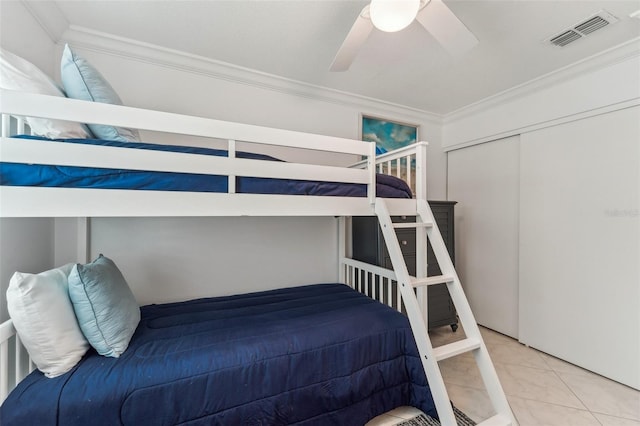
x=369 y=246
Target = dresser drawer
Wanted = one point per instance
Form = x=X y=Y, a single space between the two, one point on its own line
x=403 y=219
x=407 y=240
x=409 y=259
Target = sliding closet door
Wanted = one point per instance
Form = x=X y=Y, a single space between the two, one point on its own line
x=579 y=243
x=483 y=179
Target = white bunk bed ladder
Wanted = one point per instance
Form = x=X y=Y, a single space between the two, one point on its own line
x=429 y=355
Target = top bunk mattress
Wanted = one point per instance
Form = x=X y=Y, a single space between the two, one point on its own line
x=41 y=175
x=311 y=355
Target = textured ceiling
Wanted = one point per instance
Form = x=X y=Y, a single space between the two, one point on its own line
x=298 y=40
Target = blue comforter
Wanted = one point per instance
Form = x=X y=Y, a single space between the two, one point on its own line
x=313 y=355
x=19 y=174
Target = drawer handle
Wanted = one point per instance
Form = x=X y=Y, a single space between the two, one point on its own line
x=404 y=242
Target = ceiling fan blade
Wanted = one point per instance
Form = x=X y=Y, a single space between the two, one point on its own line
x=448 y=30
x=355 y=39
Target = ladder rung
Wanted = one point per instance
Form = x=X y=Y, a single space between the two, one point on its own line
x=455 y=348
x=497 y=420
x=436 y=279
x=413 y=225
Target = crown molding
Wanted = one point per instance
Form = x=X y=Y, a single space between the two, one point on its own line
x=606 y=58
x=544 y=124
x=49 y=17
x=114 y=45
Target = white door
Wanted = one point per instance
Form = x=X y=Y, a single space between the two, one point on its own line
x=580 y=243
x=483 y=179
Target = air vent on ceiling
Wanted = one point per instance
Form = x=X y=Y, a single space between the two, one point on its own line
x=565 y=38
x=592 y=25
x=583 y=28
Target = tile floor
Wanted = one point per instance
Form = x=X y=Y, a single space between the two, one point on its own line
x=542 y=390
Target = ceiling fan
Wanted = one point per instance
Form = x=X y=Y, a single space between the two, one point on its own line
x=395 y=15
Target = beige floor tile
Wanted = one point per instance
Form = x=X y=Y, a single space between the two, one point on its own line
x=519 y=381
x=501 y=348
x=606 y=420
x=443 y=335
x=461 y=370
x=516 y=353
x=556 y=364
x=604 y=396
x=542 y=390
x=493 y=337
x=473 y=402
x=536 y=384
x=535 y=413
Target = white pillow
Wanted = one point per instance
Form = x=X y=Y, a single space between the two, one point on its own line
x=43 y=315
x=19 y=74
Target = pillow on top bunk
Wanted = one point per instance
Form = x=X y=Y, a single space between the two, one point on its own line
x=45 y=321
x=83 y=81
x=19 y=74
x=107 y=312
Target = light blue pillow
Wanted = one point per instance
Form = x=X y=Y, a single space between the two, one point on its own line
x=107 y=312
x=82 y=81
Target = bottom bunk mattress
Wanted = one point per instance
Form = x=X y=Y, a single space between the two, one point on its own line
x=313 y=355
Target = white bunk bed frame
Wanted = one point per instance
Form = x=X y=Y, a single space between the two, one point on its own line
x=371 y=280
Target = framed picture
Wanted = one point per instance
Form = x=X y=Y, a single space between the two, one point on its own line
x=387 y=134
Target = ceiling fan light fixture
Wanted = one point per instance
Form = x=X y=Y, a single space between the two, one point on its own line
x=393 y=15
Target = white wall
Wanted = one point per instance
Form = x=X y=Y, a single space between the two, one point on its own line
x=21 y=34
x=26 y=245
x=173 y=259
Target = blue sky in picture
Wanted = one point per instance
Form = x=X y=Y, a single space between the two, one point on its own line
x=387 y=135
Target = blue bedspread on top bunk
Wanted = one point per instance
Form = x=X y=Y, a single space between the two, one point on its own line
x=313 y=355
x=19 y=174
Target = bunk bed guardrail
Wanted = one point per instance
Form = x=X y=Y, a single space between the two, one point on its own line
x=15 y=363
x=15 y=104
x=408 y=163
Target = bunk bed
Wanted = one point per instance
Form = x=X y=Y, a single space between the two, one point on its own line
x=289 y=356
x=314 y=354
